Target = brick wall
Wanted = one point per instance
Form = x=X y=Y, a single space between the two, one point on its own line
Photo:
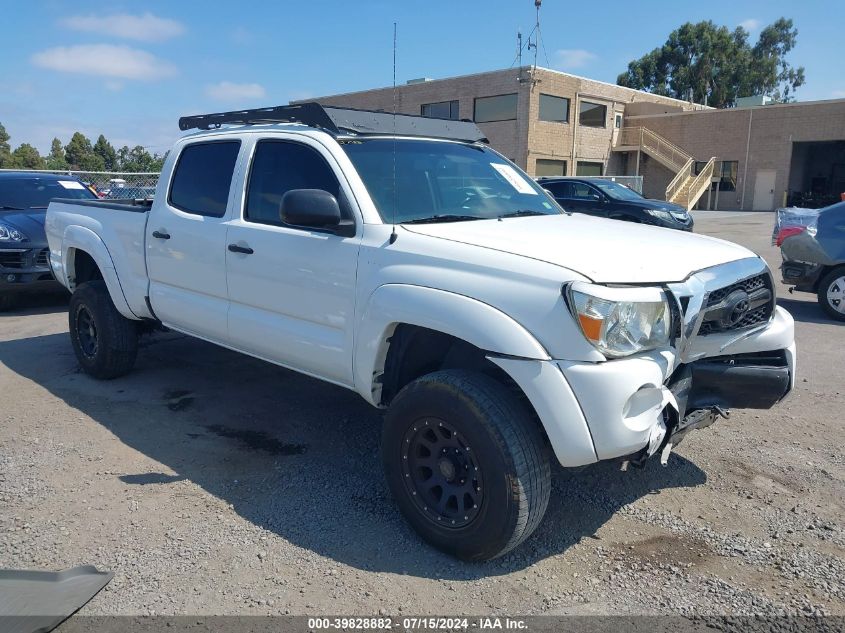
x=526 y=138
x=766 y=132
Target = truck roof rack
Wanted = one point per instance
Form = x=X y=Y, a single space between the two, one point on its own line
x=339 y=121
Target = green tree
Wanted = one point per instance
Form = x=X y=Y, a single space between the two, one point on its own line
x=5 y=148
x=56 y=158
x=137 y=159
x=104 y=150
x=27 y=157
x=79 y=152
x=711 y=64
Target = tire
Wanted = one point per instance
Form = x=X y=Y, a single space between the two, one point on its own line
x=8 y=302
x=105 y=342
x=490 y=437
x=831 y=293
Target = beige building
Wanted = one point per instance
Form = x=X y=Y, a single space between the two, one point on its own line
x=766 y=156
x=553 y=123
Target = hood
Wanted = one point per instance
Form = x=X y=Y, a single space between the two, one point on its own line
x=30 y=222
x=648 y=203
x=605 y=251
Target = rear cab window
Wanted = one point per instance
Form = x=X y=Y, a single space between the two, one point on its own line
x=203 y=176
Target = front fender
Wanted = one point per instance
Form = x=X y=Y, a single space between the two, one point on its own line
x=80 y=238
x=464 y=318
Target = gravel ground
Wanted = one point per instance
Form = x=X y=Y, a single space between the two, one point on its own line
x=212 y=483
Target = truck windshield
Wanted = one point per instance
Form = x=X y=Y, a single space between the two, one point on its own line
x=36 y=193
x=413 y=180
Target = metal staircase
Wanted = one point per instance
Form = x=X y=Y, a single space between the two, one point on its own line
x=686 y=187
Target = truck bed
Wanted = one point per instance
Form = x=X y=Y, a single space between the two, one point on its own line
x=116 y=241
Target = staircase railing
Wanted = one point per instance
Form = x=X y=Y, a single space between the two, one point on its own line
x=700 y=183
x=676 y=185
x=654 y=144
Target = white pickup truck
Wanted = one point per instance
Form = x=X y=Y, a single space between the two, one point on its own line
x=403 y=258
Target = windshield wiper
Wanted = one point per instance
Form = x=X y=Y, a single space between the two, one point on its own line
x=444 y=218
x=521 y=214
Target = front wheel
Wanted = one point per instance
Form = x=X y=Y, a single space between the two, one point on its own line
x=466 y=463
x=831 y=293
x=105 y=341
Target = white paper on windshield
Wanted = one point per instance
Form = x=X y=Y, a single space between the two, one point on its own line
x=71 y=184
x=516 y=181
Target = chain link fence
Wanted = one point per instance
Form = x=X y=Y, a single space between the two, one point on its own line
x=111 y=185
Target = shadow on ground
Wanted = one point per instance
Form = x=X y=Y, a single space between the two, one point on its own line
x=806 y=311
x=299 y=457
x=43 y=303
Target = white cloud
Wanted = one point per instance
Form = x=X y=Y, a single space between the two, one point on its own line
x=146 y=27
x=751 y=24
x=228 y=91
x=105 y=60
x=568 y=58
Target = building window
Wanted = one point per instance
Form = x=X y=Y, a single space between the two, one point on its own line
x=554 y=109
x=440 y=110
x=730 y=168
x=586 y=168
x=727 y=175
x=618 y=121
x=547 y=167
x=593 y=114
x=498 y=108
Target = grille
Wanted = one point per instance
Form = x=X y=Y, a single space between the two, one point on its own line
x=12 y=259
x=749 y=285
x=42 y=260
x=725 y=311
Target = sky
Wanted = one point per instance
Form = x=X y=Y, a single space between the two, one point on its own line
x=129 y=70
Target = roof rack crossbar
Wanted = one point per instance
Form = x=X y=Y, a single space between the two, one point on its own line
x=337 y=121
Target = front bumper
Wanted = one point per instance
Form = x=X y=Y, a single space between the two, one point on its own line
x=621 y=408
x=24 y=270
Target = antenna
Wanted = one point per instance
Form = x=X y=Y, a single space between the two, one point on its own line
x=393 y=235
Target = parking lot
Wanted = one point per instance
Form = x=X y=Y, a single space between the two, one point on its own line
x=213 y=483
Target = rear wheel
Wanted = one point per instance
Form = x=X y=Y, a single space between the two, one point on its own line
x=105 y=342
x=831 y=293
x=467 y=463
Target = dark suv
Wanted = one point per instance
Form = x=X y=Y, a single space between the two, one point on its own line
x=608 y=199
x=24 y=256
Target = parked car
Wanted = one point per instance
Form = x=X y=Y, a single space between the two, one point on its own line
x=812 y=244
x=24 y=256
x=608 y=199
x=404 y=259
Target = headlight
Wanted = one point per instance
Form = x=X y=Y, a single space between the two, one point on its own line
x=659 y=213
x=10 y=234
x=621 y=321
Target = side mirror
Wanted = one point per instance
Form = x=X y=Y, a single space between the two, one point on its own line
x=310 y=207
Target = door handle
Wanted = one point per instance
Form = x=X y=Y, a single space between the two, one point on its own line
x=161 y=236
x=246 y=250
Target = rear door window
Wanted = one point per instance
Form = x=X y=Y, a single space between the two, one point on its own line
x=203 y=177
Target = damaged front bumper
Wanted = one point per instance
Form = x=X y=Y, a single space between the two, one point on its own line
x=637 y=407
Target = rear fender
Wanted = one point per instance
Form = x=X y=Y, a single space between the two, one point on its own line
x=79 y=238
